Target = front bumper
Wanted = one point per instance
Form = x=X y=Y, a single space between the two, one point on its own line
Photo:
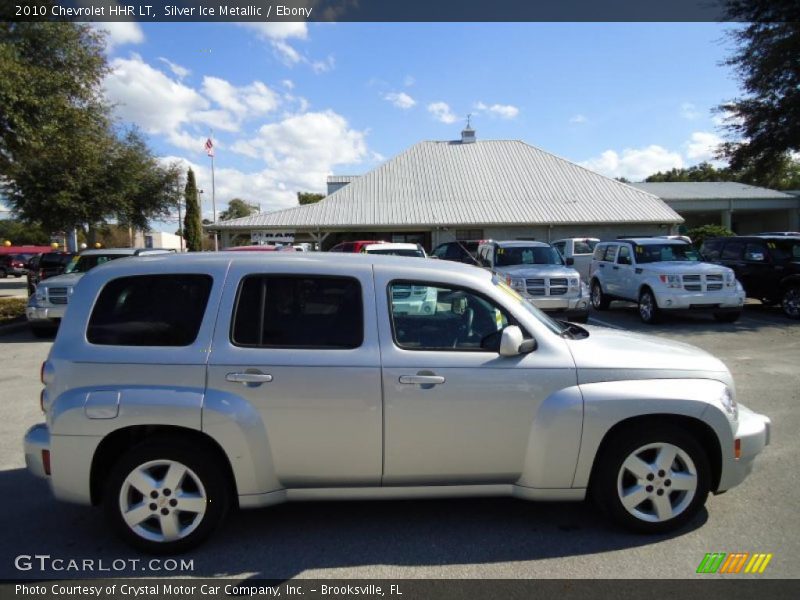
x=713 y=301
x=37 y=440
x=753 y=432
x=45 y=313
x=571 y=307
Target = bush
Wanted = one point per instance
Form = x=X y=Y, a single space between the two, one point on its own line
x=11 y=309
x=698 y=234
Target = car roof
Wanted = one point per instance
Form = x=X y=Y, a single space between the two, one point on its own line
x=393 y=246
x=577 y=239
x=125 y=251
x=650 y=241
x=520 y=244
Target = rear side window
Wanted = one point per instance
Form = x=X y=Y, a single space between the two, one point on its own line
x=733 y=251
x=711 y=249
x=584 y=247
x=611 y=253
x=150 y=310
x=275 y=311
x=599 y=252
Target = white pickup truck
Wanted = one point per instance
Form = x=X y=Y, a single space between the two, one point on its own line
x=663 y=275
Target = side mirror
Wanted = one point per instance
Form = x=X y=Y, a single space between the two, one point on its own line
x=513 y=344
x=570 y=261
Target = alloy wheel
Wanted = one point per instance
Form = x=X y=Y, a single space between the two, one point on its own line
x=791 y=302
x=657 y=482
x=162 y=501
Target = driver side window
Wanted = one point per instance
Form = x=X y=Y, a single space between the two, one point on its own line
x=428 y=317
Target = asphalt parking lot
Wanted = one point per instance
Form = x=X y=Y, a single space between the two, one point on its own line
x=14 y=287
x=487 y=538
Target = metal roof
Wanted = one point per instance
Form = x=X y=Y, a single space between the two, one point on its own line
x=342 y=178
x=491 y=182
x=709 y=190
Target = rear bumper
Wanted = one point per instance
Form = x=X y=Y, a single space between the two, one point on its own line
x=36 y=440
x=753 y=433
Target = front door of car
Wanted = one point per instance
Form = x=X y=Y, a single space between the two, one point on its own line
x=625 y=279
x=295 y=359
x=455 y=411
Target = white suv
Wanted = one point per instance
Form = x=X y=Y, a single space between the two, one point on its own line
x=184 y=385
x=663 y=275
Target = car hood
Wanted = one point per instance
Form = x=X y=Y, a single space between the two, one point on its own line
x=683 y=267
x=537 y=271
x=611 y=350
x=63 y=280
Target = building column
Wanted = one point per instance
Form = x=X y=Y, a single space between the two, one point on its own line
x=727 y=218
x=794 y=220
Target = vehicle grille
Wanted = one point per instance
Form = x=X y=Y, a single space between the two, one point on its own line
x=401 y=291
x=703 y=283
x=58 y=295
x=546 y=287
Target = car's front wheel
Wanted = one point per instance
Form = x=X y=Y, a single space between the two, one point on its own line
x=648 y=307
x=652 y=481
x=166 y=497
x=791 y=302
x=599 y=300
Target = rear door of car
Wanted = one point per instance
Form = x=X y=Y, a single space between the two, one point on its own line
x=299 y=344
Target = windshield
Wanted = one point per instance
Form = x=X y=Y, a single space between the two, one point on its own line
x=785 y=250
x=666 y=252
x=551 y=324
x=527 y=255
x=399 y=252
x=90 y=261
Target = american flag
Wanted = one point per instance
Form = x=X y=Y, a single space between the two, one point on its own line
x=209 y=147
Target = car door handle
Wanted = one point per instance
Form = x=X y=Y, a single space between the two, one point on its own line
x=421 y=379
x=616 y=268
x=249 y=377
x=601 y=265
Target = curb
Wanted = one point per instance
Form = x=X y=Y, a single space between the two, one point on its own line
x=13 y=327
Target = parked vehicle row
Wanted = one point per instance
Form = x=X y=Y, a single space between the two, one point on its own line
x=272 y=378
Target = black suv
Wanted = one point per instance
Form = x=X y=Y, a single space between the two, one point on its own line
x=767 y=266
x=464 y=251
x=46 y=265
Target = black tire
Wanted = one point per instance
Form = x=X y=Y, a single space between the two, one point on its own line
x=608 y=465
x=648 y=307
x=202 y=463
x=727 y=317
x=599 y=300
x=791 y=302
x=769 y=301
x=17 y=276
x=3 y=274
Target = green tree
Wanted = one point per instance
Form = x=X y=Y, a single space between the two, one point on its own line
x=22 y=233
x=698 y=234
x=237 y=208
x=63 y=163
x=765 y=123
x=192 y=226
x=309 y=197
x=702 y=172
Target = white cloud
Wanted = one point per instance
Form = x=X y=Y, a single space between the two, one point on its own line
x=278 y=34
x=286 y=52
x=689 y=111
x=179 y=71
x=578 y=119
x=409 y=80
x=288 y=84
x=634 y=163
x=702 y=147
x=504 y=111
x=441 y=112
x=278 y=30
x=119 y=33
x=322 y=66
x=400 y=99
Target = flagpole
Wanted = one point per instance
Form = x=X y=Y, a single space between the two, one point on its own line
x=213 y=198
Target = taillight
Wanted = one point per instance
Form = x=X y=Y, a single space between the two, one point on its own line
x=41 y=372
x=737 y=448
x=47 y=372
x=46 y=461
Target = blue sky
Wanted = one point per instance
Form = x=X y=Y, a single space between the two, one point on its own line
x=291 y=103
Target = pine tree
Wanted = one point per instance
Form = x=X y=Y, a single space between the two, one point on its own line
x=193 y=229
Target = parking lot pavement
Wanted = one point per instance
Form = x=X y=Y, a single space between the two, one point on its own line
x=14 y=287
x=486 y=538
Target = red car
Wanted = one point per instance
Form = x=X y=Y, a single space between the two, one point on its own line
x=354 y=246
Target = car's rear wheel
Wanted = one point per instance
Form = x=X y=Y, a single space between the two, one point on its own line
x=648 y=307
x=166 y=497
x=599 y=300
x=727 y=317
x=791 y=302
x=652 y=481
x=3 y=274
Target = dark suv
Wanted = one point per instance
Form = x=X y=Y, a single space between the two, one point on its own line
x=768 y=267
x=464 y=251
x=46 y=265
x=13 y=264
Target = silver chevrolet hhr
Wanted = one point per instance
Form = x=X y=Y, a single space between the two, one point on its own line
x=180 y=386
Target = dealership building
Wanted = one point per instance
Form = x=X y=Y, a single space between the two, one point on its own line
x=438 y=191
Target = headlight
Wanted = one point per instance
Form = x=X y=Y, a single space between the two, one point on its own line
x=517 y=284
x=730 y=279
x=673 y=281
x=41 y=294
x=729 y=403
x=573 y=282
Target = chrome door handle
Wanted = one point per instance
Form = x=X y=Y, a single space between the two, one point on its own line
x=249 y=377
x=421 y=379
